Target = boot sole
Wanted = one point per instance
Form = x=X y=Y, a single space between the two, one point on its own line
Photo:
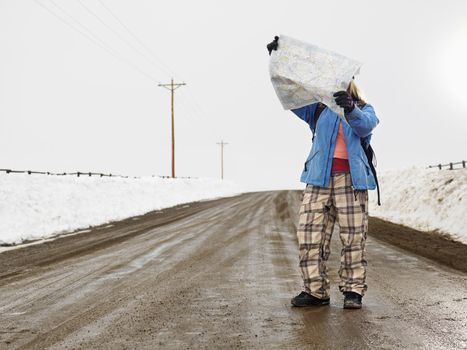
x=323 y=303
x=352 y=306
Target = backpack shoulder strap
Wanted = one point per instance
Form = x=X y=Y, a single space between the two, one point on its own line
x=361 y=104
x=370 y=155
x=319 y=108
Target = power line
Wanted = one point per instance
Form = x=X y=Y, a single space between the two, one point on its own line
x=92 y=37
x=129 y=31
x=71 y=26
x=196 y=107
x=109 y=48
x=188 y=110
x=122 y=38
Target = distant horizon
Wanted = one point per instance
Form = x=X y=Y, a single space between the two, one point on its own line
x=298 y=187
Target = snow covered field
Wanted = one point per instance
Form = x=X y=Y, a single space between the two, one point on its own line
x=41 y=206
x=425 y=199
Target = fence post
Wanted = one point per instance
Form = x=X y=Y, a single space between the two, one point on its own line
x=463 y=163
x=450 y=166
x=439 y=166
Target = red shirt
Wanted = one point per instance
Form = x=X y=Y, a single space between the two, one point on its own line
x=339 y=165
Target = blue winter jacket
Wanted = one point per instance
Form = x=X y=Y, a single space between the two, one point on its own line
x=317 y=168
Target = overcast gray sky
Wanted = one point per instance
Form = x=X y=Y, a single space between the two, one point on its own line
x=67 y=104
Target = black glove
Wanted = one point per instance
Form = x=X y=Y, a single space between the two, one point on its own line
x=344 y=100
x=273 y=45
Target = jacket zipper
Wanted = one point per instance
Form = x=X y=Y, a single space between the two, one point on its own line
x=350 y=168
x=329 y=152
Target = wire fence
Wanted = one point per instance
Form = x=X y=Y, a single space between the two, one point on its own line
x=85 y=173
x=450 y=166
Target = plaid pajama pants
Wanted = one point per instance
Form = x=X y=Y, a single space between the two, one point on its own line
x=321 y=208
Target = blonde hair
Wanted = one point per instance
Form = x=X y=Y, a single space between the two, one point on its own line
x=355 y=92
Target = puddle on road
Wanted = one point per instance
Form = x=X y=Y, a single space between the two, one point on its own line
x=144 y=259
x=129 y=267
x=14 y=313
x=141 y=261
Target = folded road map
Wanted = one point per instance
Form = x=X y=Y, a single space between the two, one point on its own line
x=303 y=74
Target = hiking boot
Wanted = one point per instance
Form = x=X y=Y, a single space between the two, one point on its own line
x=352 y=300
x=305 y=299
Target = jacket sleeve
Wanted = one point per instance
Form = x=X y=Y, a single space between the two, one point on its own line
x=362 y=121
x=306 y=113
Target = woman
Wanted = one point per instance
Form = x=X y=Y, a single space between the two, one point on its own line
x=338 y=177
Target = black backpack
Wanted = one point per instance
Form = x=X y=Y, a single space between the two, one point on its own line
x=370 y=154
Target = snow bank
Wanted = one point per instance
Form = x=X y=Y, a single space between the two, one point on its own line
x=425 y=199
x=41 y=206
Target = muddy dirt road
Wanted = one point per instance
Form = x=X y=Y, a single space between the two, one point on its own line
x=217 y=274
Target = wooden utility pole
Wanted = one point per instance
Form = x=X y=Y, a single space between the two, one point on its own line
x=222 y=144
x=172 y=87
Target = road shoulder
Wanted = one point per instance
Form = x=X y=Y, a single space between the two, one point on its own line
x=432 y=245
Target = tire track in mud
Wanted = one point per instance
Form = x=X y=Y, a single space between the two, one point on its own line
x=97 y=312
x=17 y=262
x=79 y=280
